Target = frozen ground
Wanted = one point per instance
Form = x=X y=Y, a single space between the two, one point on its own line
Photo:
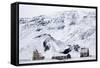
x=44 y=61
x=67 y=27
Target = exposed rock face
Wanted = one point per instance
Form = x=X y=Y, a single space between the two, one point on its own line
x=84 y=52
x=37 y=56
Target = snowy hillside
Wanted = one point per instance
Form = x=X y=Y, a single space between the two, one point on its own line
x=62 y=30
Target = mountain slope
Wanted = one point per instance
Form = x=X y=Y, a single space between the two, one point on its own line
x=69 y=27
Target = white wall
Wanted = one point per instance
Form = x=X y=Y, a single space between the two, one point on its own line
x=5 y=33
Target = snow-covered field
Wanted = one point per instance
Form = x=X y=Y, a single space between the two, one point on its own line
x=61 y=30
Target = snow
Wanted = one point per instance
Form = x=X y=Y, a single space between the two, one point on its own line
x=82 y=32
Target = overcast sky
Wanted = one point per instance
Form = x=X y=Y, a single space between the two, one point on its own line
x=36 y=10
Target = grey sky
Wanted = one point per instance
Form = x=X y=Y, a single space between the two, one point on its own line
x=35 y=10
